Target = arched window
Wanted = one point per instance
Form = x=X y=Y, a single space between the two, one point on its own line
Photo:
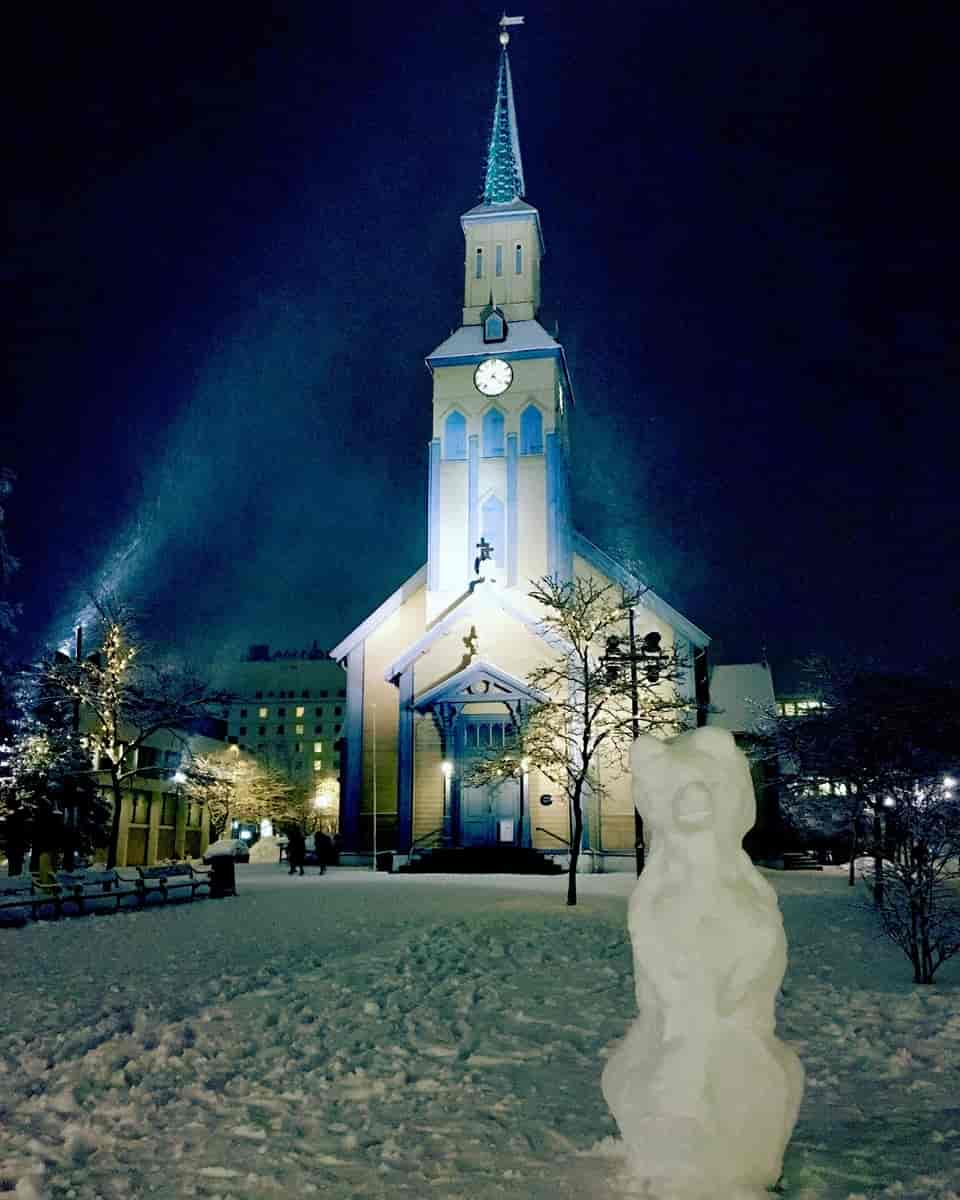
x=498 y=262
x=494 y=329
x=493 y=528
x=531 y=431
x=479 y=268
x=518 y=259
x=493 y=434
x=455 y=436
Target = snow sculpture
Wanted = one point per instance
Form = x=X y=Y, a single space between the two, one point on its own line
x=704 y=1093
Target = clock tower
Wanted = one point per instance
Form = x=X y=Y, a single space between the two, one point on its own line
x=498 y=455
x=438 y=673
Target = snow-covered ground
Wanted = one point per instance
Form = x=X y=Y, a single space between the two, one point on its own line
x=362 y=1035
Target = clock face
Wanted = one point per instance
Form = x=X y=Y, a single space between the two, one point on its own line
x=492 y=377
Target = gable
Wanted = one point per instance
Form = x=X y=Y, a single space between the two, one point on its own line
x=480 y=682
x=615 y=572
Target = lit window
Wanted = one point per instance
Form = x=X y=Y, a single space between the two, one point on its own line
x=499 y=260
x=479 y=266
x=300 y=710
x=790 y=709
x=317 y=747
x=455 y=436
x=493 y=434
x=298 y=729
x=298 y=747
x=264 y=712
x=518 y=259
x=531 y=430
x=317 y=765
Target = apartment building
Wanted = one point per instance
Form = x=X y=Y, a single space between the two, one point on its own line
x=289 y=713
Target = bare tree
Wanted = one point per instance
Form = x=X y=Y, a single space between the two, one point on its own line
x=584 y=725
x=861 y=737
x=919 y=904
x=124 y=700
x=235 y=788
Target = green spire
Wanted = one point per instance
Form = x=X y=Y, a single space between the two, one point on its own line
x=504 y=178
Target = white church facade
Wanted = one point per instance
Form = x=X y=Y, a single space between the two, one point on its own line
x=436 y=675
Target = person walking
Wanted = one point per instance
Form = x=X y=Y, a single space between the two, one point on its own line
x=324 y=850
x=296 y=849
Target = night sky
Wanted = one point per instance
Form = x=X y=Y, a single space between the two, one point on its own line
x=235 y=237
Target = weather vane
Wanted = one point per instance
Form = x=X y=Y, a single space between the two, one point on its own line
x=506 y=21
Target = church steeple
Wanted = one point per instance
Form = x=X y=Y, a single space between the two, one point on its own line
x=503 y=181
x=503 y=240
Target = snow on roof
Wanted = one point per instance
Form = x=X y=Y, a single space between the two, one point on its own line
x=516 y=208
x=741 y=694
x=523 y=337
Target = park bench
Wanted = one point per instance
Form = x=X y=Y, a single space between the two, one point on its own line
x=18 y=894
x=171 y=881
x=91 y=890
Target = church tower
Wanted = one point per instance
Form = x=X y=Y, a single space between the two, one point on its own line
x=498 y=506
x=439 y=672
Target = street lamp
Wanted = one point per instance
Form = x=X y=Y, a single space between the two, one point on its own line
x=446 y=771
x=524 y=770
x=653 y=661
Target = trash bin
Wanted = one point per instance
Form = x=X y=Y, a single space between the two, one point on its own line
x=223 y=876
x=385 y=861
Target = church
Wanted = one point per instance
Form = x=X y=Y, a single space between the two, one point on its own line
x=436 y=675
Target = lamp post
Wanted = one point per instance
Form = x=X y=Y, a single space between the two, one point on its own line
x=650 y=656
x=446 y=770
x=179 y=818
x=524 y=788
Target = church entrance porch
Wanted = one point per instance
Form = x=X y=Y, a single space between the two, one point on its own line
x=474 y=716
x=489 y=814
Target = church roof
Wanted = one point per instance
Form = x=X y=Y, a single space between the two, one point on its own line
x=503 y=180
x=477 y=597
x=741 y=696
x=525 y=339
x=648 y=598
x=416 y=581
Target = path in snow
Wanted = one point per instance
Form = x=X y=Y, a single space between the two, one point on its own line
x=372 y=1036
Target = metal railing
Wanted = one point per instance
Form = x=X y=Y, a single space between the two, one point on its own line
x=419 y=844
x=540 y=829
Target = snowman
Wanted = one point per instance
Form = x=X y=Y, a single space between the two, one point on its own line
x=703 y=1091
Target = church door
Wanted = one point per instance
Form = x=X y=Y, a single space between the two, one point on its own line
x=489 y=815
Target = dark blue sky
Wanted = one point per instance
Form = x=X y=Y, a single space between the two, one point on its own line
x=235 y=238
